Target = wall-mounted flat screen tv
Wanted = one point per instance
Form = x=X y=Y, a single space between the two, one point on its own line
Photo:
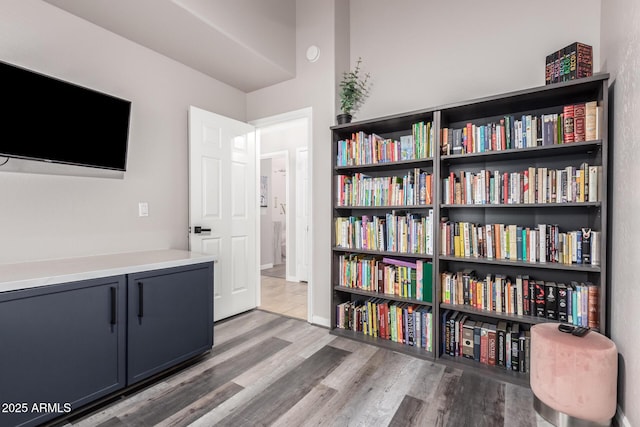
x=47 y=119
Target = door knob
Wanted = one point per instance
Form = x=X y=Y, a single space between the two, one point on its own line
x=198 y=229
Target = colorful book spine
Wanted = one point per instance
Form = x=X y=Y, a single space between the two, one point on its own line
x=569 y=135
x=572 y=62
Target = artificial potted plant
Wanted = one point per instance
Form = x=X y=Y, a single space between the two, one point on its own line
x=354 y=88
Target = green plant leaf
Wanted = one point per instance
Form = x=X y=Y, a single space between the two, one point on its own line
x=354 y=88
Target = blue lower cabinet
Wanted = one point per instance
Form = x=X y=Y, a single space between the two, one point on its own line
x=61 y=346
x=64 y=346
x=169 y=311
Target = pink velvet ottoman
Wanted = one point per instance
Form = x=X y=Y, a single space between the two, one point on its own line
x=573 y=379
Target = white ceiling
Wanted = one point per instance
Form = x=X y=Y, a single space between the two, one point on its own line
x=248 y=44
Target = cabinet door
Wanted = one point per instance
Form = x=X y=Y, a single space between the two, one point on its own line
x=61 y=346
x=170 y=318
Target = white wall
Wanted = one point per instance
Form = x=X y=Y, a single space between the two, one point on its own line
x=314 y=86
x=44 y=216
x=422 y=54
x=621 y=58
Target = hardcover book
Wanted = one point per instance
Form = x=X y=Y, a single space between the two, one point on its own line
x=532 y=298
x=593 y=306
x=526 y=301
x=548 y=69
x=557 y=61
x=515 y=347
x=572 y=62
x=590 y=120
x=501 y=333
x=584 y=60
x=579 y=125
x=491 y=342
x=411 y=332
x=467 y=338
x=522 y=352
x=527 y=351
x=563 y=313
x=452 y=333
x=586 y=246
x=551 y=301
x=484 y=343
x=595 y=248
x=568 y=112
x=541 y=302
x=476 y=341
x=458 y=333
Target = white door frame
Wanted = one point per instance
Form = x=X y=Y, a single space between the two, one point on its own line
x=268 y=121
x=301 y=240
x=287 y=215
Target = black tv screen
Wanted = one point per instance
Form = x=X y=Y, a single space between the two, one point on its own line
x=47 y=119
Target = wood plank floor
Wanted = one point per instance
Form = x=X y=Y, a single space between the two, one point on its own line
x=278 y=271
x=270 y=370
x=280 y=296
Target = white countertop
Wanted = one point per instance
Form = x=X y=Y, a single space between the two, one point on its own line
x=50 y=272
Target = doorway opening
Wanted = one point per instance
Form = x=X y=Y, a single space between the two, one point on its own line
x=284 y=172
x=274 y=198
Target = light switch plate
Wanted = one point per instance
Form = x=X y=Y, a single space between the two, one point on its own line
x=143 y=209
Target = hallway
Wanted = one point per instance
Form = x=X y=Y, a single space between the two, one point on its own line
x=282 y=297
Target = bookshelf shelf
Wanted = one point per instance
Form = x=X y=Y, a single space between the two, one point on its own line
x=514 y=263
x=522 y=205
x=387 y=208
x=566 y=167
x=532 y=320
x=387 y=166
x=493 y=372
x=389 y=297
x=524 y=153
x=388 y=344
x=382 y=253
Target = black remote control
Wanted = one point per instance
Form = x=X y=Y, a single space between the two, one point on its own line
x=565 y=328
x=580 y=331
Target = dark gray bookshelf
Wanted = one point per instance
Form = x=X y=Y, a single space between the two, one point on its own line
x=569 y=216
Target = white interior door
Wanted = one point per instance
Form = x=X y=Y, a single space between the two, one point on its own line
x=223 y=204
x=302 y=214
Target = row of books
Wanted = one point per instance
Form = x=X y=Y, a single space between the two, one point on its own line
x=366 y=149
x=545 y=243
x=392 y=276
x=575 y=303
x=575 y=123
x=569 y=63
x=534 y=185
x=403 y=323
x=504 y=345
x=414 y=188
x=395 y=232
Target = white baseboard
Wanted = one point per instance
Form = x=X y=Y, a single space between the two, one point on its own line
x=265 y=266
x=321 y=321
x=621 y=419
